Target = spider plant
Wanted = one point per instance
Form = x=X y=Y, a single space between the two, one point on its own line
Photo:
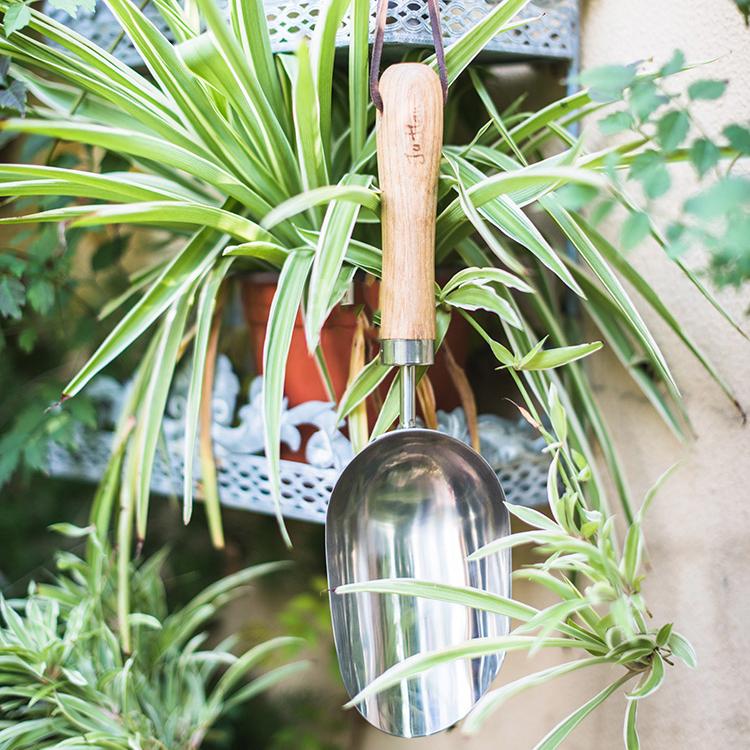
x=67 y=680
x=267 y=160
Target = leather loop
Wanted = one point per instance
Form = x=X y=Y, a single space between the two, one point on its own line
x=381 y=15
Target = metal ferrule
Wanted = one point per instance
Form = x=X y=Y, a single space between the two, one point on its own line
x=402 y=352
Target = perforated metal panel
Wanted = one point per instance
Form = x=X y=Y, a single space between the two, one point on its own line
x=242 y=478
x=553 y=36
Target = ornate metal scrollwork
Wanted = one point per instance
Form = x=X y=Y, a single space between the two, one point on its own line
x=511 y=448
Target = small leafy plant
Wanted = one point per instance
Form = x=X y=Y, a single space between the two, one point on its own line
x=717 y=216
x=67 y=681
x=600 y=613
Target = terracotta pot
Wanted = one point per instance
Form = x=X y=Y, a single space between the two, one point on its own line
x=303 y=380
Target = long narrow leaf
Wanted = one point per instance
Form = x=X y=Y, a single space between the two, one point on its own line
x=204 y=316
x=323 y=51
x=281 y=318
x=96 y=62
x=191 y=99
x=37 y=180
x=359 y=96
x=490 y=702
x=191 y=263
x=177 y=212
x=629 y=272
x=475 y=648
x=253 y=107
x=630 y=727
x=335 y=234
x=599 y=266
x=367 y=380
x=607 y=316
x=352 y=188
x=307 y=120
x=579 y=387
x=560 y=733
x=251 y=26
x=465 y=595
x=250 y=659
x=495 y=116
x=509 y=219
x=153 y=403
x=147 y=147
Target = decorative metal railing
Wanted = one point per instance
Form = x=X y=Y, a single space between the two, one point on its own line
x=554 y=35
x=511 y=448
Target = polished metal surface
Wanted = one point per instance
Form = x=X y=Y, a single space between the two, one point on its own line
x=414 y=504
x=407 y=351
x=407 y=393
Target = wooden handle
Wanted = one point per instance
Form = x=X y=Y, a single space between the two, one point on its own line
x=410 y=136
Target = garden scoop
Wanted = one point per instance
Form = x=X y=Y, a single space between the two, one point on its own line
x=415 y=503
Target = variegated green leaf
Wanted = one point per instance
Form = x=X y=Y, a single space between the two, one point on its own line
x=485 y=276
x=493 y=700
x=547 y=359
x=281 y=318
x=154 y=401
x=561 y=732
x=652 y=680
x=470 y=597
x=471 y=649
x=359 y=94
x=352 y=188
x=630 y=728
x=205 y=310
x=190 y=264
x=478 y=297
x=335 y=235
x=367 y=380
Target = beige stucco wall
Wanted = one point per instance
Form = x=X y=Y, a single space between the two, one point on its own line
x=699 y=529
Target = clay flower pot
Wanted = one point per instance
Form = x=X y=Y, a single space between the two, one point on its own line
x=303 y=379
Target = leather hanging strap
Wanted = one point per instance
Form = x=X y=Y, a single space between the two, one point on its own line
x=381 y=15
